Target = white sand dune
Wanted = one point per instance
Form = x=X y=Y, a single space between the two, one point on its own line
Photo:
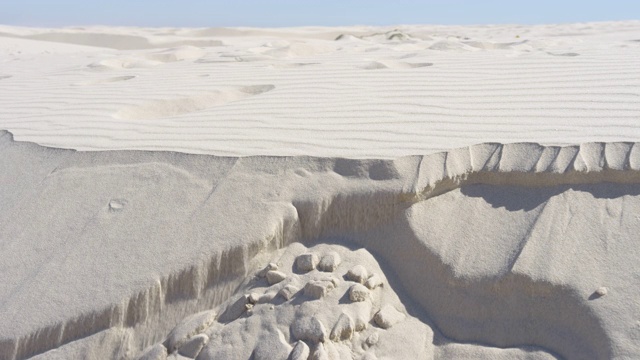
x=438 y=207
x=374 y=92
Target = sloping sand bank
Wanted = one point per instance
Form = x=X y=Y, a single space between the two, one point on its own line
x=508 y=251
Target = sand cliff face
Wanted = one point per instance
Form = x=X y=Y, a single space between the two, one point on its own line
x=516 y=246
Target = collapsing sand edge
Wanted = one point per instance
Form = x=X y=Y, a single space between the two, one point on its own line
x=406 y=181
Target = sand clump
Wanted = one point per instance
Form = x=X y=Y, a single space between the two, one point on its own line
x=388 y=316
x=358 y=274
x=329 y=262
x=318 y=289
x=192 y=348
x=188 y=328
x=300 y=351
x=358 y=293
x=274 y=276
x=311 y=323
x=307 y=262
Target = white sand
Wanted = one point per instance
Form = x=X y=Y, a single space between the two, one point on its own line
x=491 y=251
x=375 y=92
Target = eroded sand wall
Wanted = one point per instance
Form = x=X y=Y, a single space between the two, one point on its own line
x=352 y=198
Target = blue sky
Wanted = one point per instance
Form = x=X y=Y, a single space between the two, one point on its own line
x=277 y=13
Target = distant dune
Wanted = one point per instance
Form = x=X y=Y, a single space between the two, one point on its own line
x=350 y=92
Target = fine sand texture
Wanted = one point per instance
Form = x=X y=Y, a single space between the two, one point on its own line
x=516 y=251
x=411 y=192
x=357 y=92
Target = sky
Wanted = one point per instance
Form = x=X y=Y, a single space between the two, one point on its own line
x=282 y=13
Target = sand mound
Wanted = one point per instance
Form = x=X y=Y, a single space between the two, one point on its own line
x=113 y=41
x=156 y=109
x=176 y=54
x=299 y=50
x=489 y=45
x=452 y=46
x=118 y=41
x=392 y=35
x=122 y=63
x=387 y=64
x=108 y=80
x=346 y=312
